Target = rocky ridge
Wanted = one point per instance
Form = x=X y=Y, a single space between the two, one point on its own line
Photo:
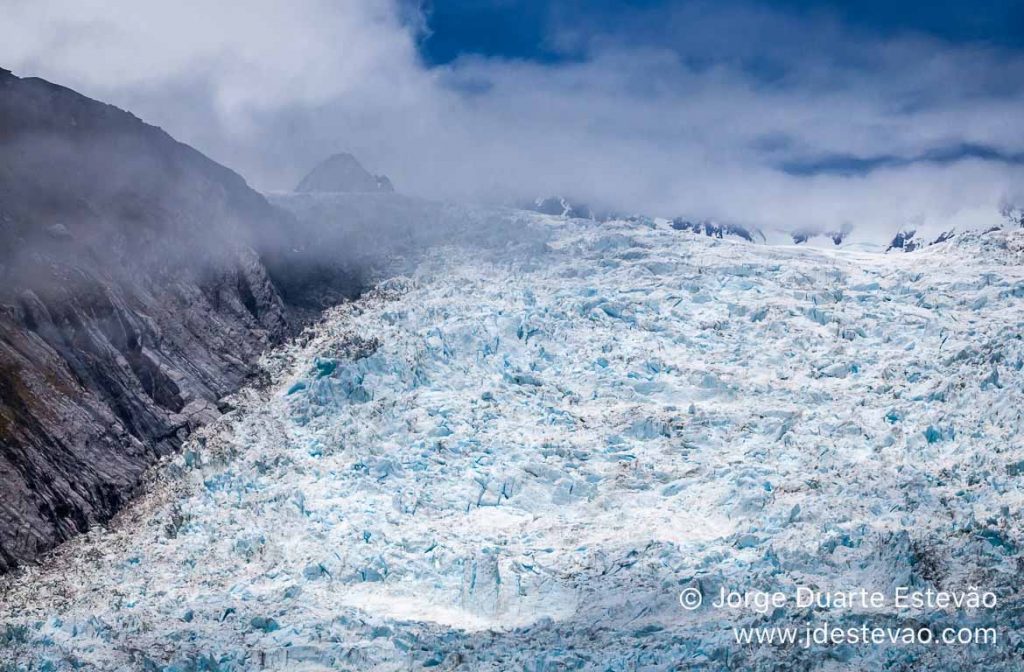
x=135 y=291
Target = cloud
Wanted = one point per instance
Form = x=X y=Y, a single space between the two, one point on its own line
x=722 y=111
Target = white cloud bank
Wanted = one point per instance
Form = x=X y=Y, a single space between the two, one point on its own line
x=270 y=87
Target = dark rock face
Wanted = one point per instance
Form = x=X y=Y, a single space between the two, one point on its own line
x=837 y=237
x=713 y=229
x=133 y=294
x=904 y=240
x=342 y=173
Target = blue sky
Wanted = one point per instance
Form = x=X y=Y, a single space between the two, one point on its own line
x=524 y=29
x=791 y=114
x=563 y=31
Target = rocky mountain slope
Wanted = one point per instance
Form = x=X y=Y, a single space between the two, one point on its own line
x=133 y=295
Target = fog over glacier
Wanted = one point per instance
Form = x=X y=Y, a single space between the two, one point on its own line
x=708 y=110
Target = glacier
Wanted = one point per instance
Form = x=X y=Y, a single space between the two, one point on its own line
x=517 y=455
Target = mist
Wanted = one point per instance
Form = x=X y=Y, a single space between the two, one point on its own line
x=776 y=120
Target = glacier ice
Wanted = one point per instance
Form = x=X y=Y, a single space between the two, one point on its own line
x=519 y=461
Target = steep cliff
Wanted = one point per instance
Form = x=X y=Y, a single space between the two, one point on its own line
x=133 y=295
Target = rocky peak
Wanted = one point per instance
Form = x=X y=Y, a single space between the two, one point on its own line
x=343 y=173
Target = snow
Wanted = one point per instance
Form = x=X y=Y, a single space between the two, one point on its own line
x=517 y=458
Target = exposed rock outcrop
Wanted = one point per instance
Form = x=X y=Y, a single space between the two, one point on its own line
x=715 y=229
x=133 y=295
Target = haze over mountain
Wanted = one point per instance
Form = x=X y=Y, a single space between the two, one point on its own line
x=136 y=290
x=342 y=173
x=788 y=116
